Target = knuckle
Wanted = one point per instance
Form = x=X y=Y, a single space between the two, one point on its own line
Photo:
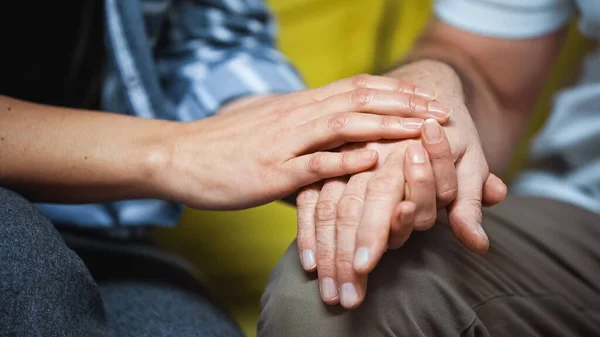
x=326 y=256
x=305 y=239
x=362 y=97
x=404 y=87
x=344 y=262
x=411 y=88
x=384 y=183
x=337 y=121
x=387 y=121
x=325 y=211
x=315 y=163
x=305 y=222
x=447 y=194
x=413 y=103
x=307 y=197
x=360 y=80
x=350 y=209
x=347 y=161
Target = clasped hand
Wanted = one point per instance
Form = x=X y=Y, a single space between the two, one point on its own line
x=345 y=224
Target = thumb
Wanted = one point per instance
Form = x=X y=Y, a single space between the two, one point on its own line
x=465 y=212
x=494 y=190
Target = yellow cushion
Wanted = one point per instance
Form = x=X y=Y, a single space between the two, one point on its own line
x=327 y=40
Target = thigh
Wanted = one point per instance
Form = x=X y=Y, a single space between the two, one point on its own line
x=154 y=309
x=45 y=288
x=540 y=278
x=148 y=292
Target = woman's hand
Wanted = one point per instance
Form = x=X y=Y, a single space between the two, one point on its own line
x=263 y=149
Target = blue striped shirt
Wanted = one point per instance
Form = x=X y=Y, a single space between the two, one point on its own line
x=179 y=60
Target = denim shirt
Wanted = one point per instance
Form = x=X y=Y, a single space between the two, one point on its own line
x=179 y=60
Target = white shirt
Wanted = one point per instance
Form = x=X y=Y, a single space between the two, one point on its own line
x=572 y=131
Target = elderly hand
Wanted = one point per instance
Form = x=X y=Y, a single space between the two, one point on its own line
x=350 y=223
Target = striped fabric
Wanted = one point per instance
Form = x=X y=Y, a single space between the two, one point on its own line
x=179 y=60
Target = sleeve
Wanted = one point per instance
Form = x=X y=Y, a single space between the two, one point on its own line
x=218 y=50
x=517 y=19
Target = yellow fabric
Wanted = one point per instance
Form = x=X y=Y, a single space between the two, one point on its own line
x=327 y=40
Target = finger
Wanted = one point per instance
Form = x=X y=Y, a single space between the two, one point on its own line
x=465 y=212
x=371 y=82
x=310 y=168
x=349 y=212
x=325 y=216
x=384 y=191
x=494 y=190
x=440 y=155
x=331 y=131
x=402 y=224
x=420 y=185
x=381 y=102
x=307 y=240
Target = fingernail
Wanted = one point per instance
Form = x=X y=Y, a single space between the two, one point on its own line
x=361 y=258
x=368 y=155
x=481 y=232
x=328 y=289
x=308 y=259
x=348 y=296
x=416 y=154
x=425 y=92
x=439 y=110
x=484 y=241
x=411 y=123
x=433 y=132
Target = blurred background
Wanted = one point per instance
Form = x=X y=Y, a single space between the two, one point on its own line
x=327 y=40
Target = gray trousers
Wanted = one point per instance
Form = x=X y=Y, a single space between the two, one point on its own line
x=541 y=277
x=83 y=286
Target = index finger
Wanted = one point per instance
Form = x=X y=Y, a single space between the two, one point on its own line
x=372 y=82
x=384 y=191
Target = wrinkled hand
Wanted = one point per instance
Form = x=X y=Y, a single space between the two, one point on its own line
x=369 y=207
x=350 y=223
x=262 y=149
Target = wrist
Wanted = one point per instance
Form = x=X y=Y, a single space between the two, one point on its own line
x=154 y=156
x=433 y=74
x=180 y=162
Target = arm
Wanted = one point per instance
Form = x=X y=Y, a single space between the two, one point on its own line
x=498 y=80
x=491 y=77
x=65 y=155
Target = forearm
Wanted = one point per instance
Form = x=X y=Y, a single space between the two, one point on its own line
x=458 y=84
x=64 y=155
x=498 y=80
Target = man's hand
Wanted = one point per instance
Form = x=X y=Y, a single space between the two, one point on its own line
x=377 y=210
x=264 y=149
x=320 y=211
